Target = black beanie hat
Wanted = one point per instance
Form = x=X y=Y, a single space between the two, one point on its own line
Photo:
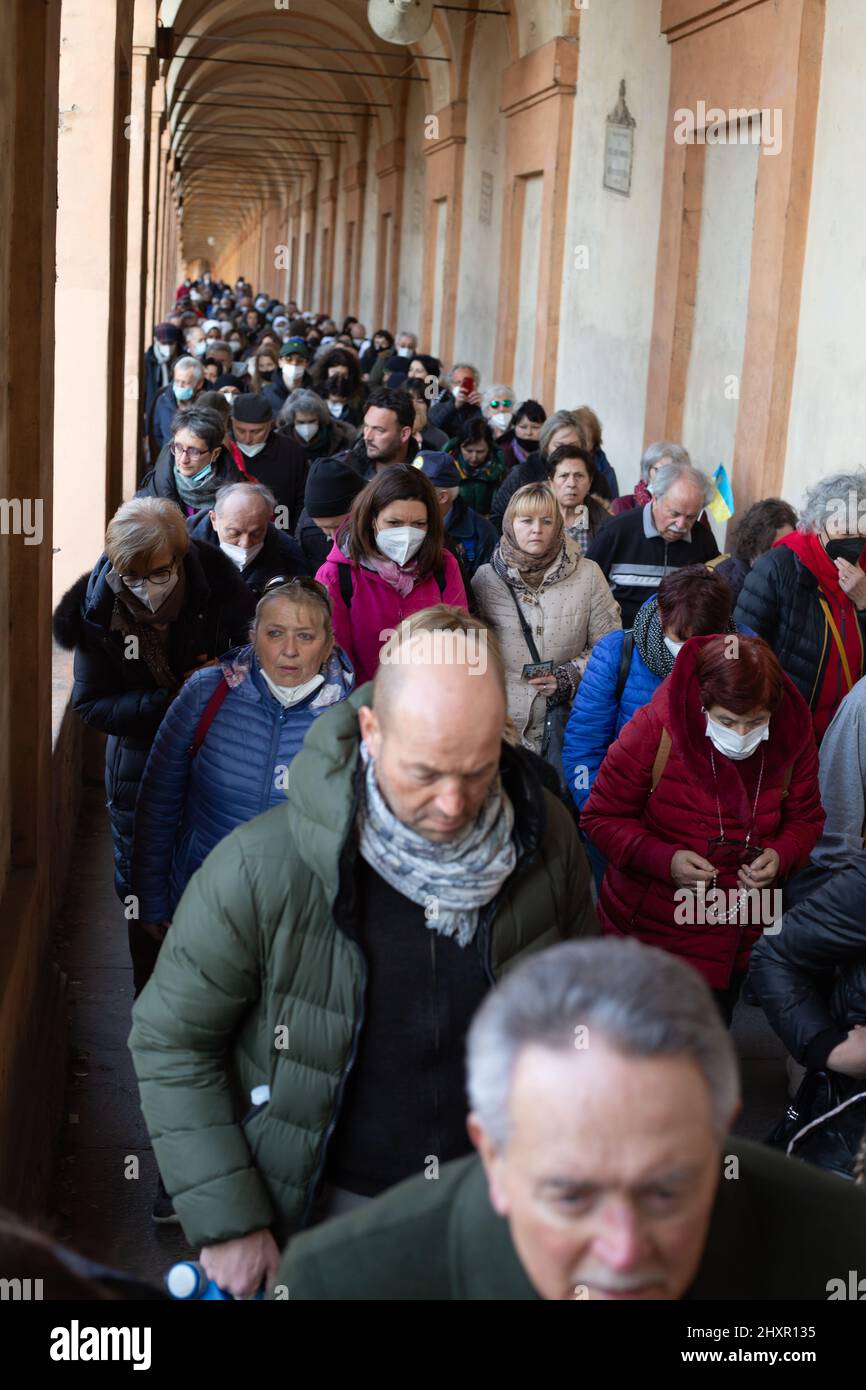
x=251 y=409
x=167 y=333
x=331 y=488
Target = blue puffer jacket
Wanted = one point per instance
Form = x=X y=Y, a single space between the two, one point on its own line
x=596 y=718
x=187 y=805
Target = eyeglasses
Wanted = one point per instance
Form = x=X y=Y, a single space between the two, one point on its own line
x=160 y=576
x=299 y=581
x=178 y=450
x=495 y=405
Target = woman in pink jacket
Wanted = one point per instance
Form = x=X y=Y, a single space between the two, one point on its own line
x=387 y=563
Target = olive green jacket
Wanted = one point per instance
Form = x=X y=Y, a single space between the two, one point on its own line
x=260 y=982
x=779 y=1230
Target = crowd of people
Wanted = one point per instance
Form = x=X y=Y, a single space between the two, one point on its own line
x=406 y=704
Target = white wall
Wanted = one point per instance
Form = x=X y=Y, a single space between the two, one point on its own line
x=478 y=279
x=827 y=427
x=721 y=306
x=531 y=251
x=607 y=309
x=439 y=231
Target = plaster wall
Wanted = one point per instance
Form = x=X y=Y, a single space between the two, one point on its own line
x=611 y=238
x=827 y=424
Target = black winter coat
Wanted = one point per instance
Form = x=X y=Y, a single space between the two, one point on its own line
x=280 y=555
x=118 y=695
x=810 y=977
x=779 y=602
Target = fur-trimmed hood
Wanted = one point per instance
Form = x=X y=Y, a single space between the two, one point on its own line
x=209 y=574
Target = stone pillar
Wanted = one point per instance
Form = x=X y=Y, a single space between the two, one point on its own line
x=328 y=232
x=538 y=101
x=390 y=163
x=443 y=182
x=93 y=152
x=310 y=205
x=354 y=186
x=153 y=311
x=138 y=132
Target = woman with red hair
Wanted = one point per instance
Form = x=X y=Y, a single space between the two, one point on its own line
x=705 y=803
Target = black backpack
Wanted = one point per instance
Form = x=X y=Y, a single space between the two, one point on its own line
x=624 y=665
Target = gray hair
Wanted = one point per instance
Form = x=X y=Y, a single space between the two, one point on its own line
x=404 y=333
x=217 y=343
x=143 y=526
x=185 y=364
x=308 y=401
x=640 y=1001
x=466 y=367
x=560 y=420
x=671 y=473
x=841 y=497
x=248 y=490
x=499 y=390
x=654 y=453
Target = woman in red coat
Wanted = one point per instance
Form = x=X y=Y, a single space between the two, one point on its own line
x=710 y=791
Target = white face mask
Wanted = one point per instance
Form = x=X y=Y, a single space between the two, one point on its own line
x=200 y=349
x=734 y=745
x=307 y=432
x=153 y=596
x=239 y=555
x=673 y=647
x=292 y=374
x=400 y=543
x=502 y=419
x=251 y=449
x=336 y=408
x=404 y=352
x=235 y=346
x=162 y=351
x=292 y=694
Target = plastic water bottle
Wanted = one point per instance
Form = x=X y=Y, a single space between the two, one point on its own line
x=187 y=1281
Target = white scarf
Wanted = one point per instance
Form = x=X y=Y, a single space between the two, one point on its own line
x=451 y=881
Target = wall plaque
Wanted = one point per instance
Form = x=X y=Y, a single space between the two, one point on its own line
x=619 y=146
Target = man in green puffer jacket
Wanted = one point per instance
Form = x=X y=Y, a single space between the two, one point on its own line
x=302 y=1036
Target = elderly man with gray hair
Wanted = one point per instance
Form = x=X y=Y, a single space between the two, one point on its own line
x=654 y=455
x=637 y=549
x=459 y=402
x=240 y=523
x=602 y=1085
x=187 y=381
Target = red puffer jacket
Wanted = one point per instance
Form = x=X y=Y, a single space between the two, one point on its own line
x=640 y=830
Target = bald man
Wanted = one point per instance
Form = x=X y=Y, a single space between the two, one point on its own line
x=299 y=1047
x=240 y=524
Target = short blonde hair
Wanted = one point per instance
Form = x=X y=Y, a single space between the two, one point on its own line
x=141 y=528
x=533 y=499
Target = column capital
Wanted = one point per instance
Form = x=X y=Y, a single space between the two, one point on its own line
x=390 y=158
x=549 y=71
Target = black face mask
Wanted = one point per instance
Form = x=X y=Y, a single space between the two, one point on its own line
x=528 y=446
x=849 y=549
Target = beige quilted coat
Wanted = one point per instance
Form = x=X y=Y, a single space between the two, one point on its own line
x=566 y=620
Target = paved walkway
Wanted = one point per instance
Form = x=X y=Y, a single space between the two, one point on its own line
x=102 y=1211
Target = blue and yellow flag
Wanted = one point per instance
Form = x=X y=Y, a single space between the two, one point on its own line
x=721 y=506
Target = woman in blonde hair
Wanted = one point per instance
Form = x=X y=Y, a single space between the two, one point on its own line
x=548 y=606
x=156 y=606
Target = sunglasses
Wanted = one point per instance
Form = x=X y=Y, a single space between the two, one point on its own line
x=299 y=581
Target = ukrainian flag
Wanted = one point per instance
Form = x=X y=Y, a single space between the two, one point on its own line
x=721 y=506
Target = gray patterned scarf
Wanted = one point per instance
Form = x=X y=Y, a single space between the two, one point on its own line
x=450 y=881
x=649 y=638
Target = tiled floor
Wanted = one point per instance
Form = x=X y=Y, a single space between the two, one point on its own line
x=106 y=1175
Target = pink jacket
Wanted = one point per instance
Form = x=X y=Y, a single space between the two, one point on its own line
x=377 y=608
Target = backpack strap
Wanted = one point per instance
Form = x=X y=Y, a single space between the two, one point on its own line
x=239 y=462
x=209 y=714
x=661 y=759
x=439 y=576
x=624 y=664
x=840 y=645
x=717 y=560
x=344 y=576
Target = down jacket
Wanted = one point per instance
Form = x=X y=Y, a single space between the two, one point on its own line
x=810 y=977
x=566 y=619
x=265 y=938
x=118 y=695
x=597 y=718
x=187 y=805
x=779 y=600
x=639 y=830
x=376 y=608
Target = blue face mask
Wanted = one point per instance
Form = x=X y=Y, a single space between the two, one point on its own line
x=196 y=479
x=183 y=393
